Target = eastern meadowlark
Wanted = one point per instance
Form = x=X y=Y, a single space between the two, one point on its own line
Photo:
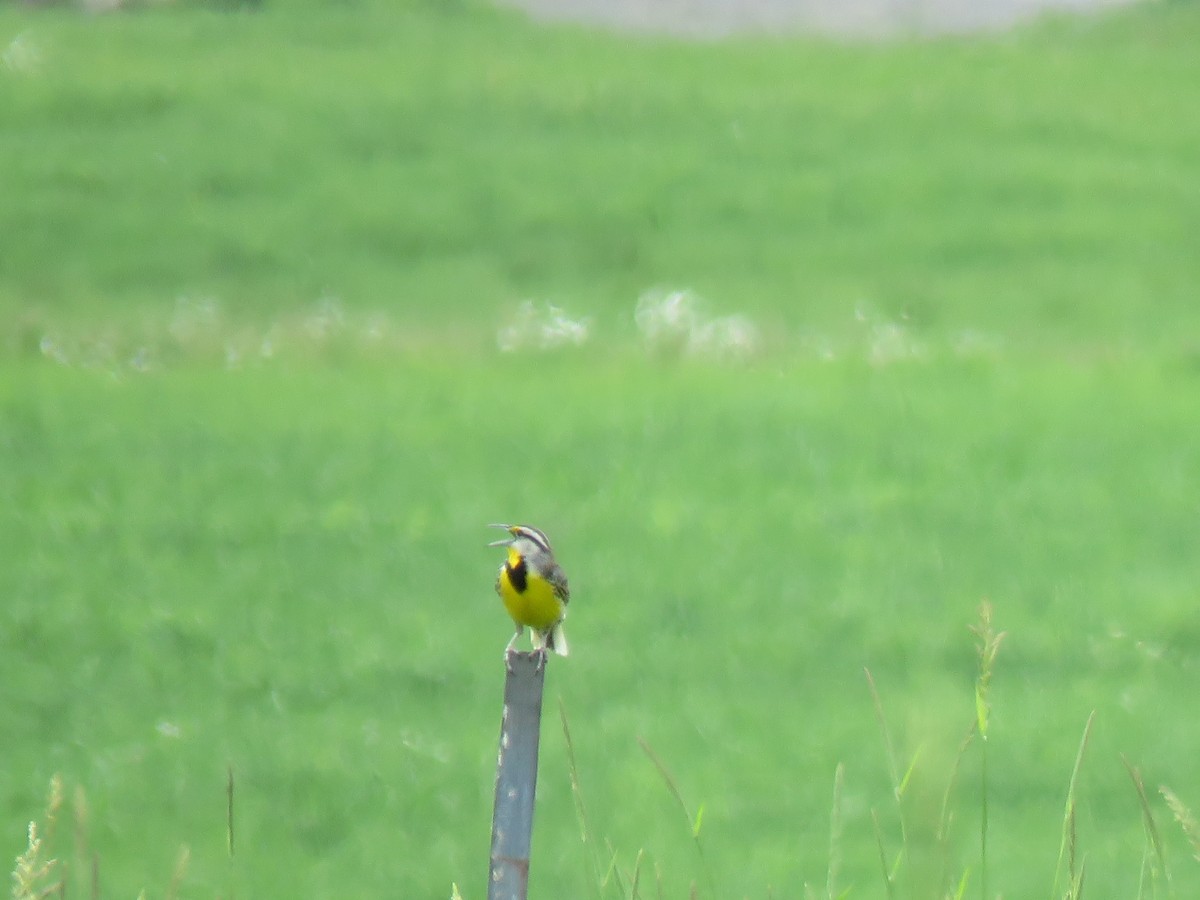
x=533 y=587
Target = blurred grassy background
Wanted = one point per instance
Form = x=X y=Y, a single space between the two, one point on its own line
x=253 y=422
x=439 y=161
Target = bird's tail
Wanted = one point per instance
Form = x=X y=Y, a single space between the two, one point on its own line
x=556 y=640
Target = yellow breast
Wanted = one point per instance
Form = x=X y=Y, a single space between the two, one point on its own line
x=536 y=605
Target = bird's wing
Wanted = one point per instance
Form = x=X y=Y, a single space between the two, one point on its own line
x=558 y=580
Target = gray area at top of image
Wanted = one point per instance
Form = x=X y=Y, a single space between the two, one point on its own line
x=840 y=18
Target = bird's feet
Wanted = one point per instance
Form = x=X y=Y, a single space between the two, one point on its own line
x=509 y=651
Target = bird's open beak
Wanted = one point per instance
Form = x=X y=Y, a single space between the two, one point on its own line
x=504 y=542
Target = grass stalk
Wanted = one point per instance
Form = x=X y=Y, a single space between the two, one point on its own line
x=636 y=879
x=1067 y=845
x=229 y=810
x=888 y=881
x=835 y=833
x=592 y=860
x=177 y=875
x=612 y=871
x=230 y=865
x=945 y=816
x=1183 y=815
x=898 y=784
x=694 y=823
x=1158 y=862
x=987 y=648
x=961 y=890
x=37 y=874
x=983 y=821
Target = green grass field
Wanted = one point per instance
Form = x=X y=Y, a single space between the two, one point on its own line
x=254 y=421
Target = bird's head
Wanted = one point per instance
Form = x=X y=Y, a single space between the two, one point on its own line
x=525 y=539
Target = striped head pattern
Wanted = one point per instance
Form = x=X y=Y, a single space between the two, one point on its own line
x=526 y=540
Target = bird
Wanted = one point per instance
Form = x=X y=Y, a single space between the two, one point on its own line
x=533 y=587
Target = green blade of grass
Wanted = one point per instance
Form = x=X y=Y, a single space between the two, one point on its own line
x=944 y=814
x=961 y=890
x=1066 y=847
x=835 y=833
x=585 y=829
x=888 y=746
x=1151 y=828
x=883 y=863
x=693 y=823
x=635 y=880
x=898 y=784
x=987 y=649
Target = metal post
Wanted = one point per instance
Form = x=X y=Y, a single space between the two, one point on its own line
x=516 y=776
